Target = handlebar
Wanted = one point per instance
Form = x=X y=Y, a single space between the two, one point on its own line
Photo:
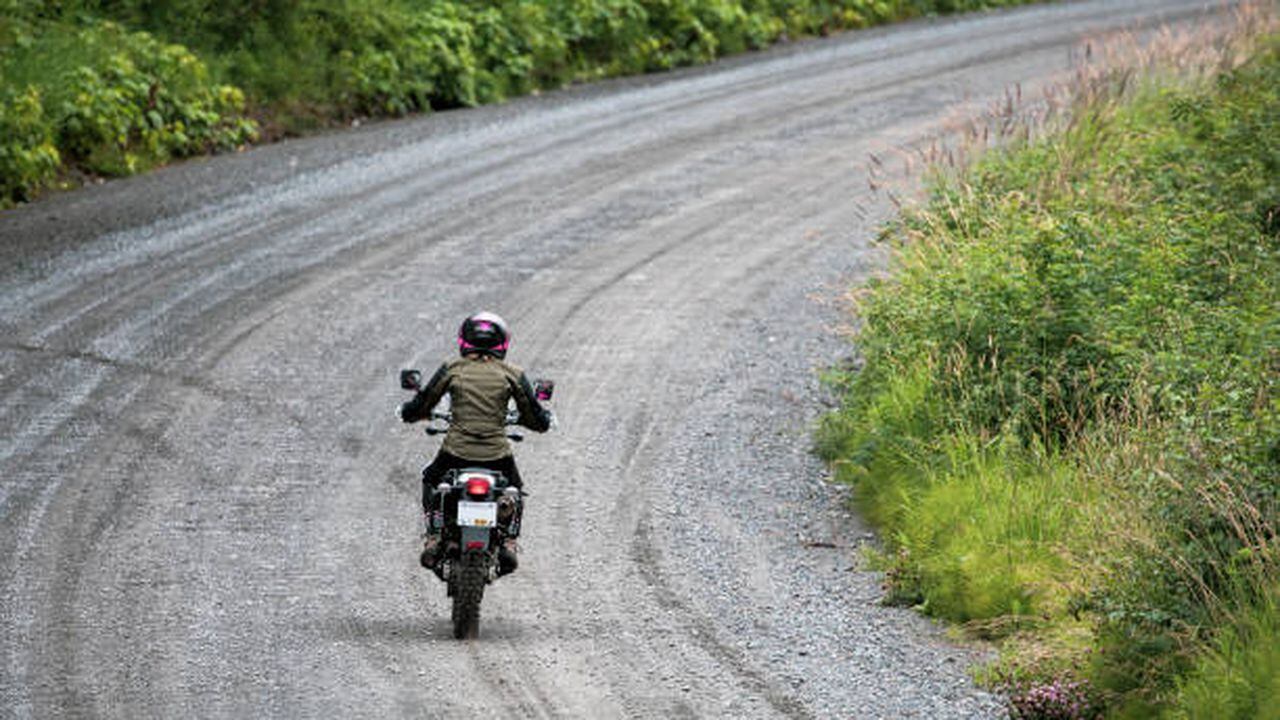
x=513 y=418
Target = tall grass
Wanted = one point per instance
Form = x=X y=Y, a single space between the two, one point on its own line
x=1067 y=423
x=1238 y=676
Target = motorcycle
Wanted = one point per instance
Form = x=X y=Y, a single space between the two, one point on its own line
x=478 y=511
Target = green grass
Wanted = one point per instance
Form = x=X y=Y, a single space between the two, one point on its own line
x=1067 y=425
x=1238 y=676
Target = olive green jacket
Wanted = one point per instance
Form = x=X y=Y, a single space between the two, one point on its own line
x=479 y=388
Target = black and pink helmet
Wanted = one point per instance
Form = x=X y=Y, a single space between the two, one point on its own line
x=484 y=333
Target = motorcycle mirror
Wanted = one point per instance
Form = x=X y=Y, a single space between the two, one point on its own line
x=410 y=379
x=544 y=389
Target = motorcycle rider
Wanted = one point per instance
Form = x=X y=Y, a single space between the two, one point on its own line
x=479 y=384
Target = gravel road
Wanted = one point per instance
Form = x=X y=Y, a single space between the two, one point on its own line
x=208 y=509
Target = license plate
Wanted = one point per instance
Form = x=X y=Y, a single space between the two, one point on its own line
x=477 y=514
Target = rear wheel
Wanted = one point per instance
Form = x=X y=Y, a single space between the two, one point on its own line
x=468 y=590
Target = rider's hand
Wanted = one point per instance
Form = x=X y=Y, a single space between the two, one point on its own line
x=400 y=413
x=554 y=423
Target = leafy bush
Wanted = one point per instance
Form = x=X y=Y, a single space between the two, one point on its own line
x=28 y=157
x=146 y=103
x=109 y=102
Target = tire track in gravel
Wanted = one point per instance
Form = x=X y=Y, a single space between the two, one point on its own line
x=643 y=551
x=702 y=630
x=131 y=367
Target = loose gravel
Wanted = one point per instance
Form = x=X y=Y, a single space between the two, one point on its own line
x=207 y=507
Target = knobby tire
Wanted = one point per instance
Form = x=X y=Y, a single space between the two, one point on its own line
x=468 y=592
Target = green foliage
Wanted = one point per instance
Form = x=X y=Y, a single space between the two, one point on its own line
x=1084 y=326
x=147 y=102
x=109 y=102
x=28 y=157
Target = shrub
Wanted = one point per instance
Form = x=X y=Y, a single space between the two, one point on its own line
x=109 y=102
x=146 y=103
x=28 y=157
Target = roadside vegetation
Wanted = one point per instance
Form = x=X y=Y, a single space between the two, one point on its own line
x=102 y=88
x=1065 y=416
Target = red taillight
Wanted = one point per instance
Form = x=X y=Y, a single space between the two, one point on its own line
x=477 y=487
x=475 y=545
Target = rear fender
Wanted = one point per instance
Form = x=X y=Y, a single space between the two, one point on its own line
x=473 y=535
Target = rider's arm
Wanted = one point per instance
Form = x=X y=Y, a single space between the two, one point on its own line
x=420 y=407
x=532 y=413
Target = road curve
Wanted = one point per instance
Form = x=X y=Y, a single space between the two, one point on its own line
x=208 y=509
